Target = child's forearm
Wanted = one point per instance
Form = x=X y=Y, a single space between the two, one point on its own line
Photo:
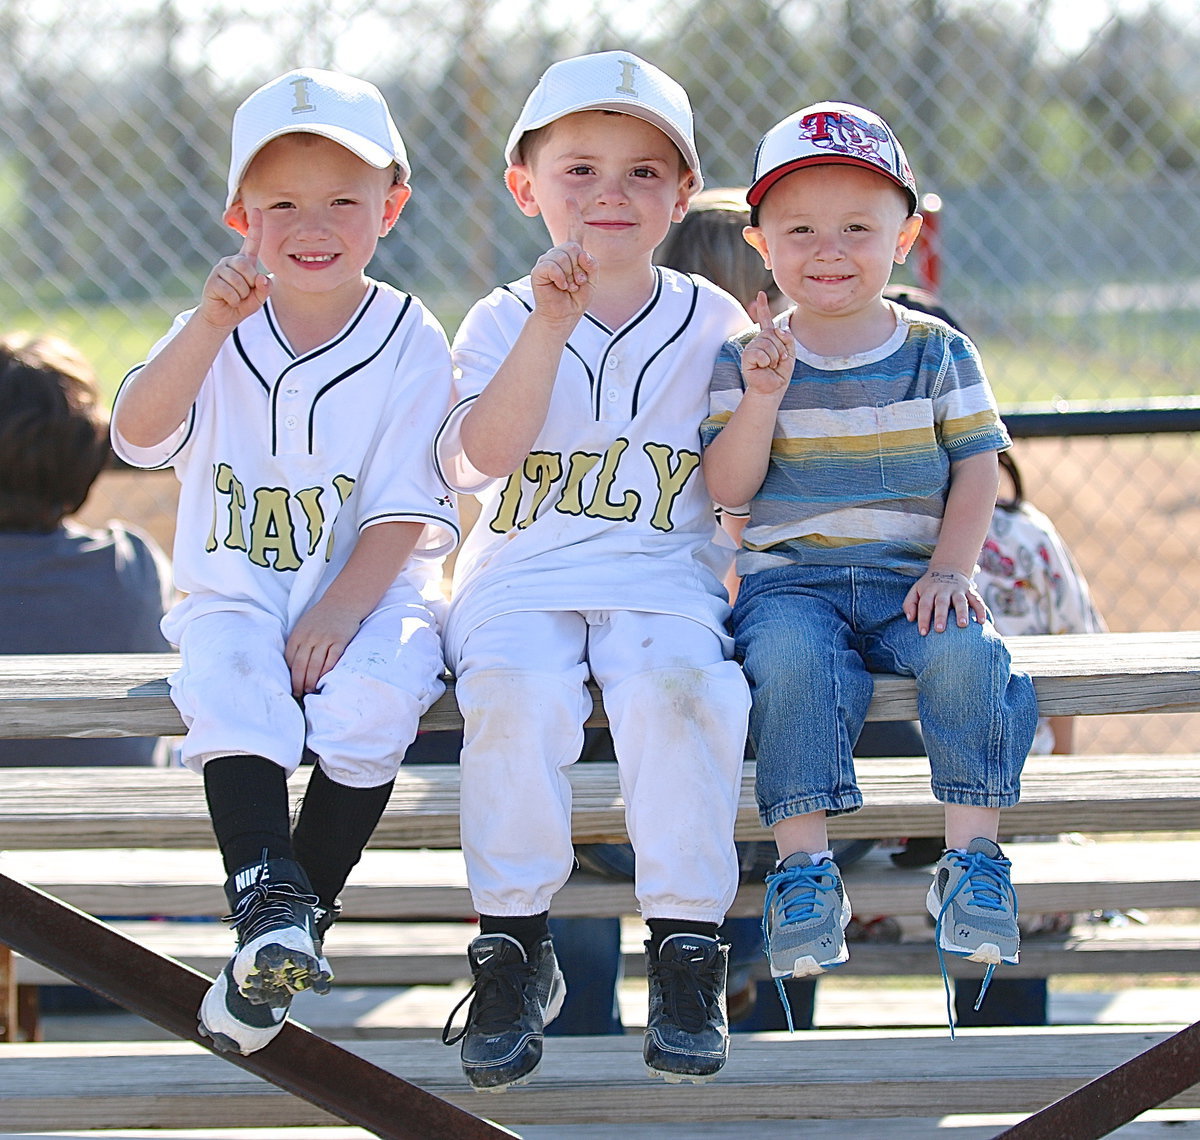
x=505 y=419
x=969 y=506
x=378 y=556
x=158 y=397
x=735 y=463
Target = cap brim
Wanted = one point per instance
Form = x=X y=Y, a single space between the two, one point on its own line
x=370 y=152
x=684 y=145
x=756 y=192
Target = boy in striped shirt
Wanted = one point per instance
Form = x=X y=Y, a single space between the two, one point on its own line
x=861 y=438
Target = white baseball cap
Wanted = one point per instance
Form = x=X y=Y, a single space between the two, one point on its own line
x=308 y=100
x=828 y=133
x=610 y=81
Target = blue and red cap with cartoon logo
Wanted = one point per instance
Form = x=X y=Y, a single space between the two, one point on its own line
x=830 y=133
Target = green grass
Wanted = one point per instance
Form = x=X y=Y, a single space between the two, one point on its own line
x=113 y=339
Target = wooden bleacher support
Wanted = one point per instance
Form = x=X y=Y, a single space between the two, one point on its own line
x=338 y=1082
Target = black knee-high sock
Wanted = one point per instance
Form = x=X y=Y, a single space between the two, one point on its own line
x=248 y=801
x=334 y=826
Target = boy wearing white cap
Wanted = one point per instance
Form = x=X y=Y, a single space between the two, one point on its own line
x=297 y=407
x=580 y=392
x=862 y=438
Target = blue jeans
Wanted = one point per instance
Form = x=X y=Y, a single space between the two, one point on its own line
x=810 y=637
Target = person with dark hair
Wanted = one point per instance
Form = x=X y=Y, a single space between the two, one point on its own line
x=65 y=588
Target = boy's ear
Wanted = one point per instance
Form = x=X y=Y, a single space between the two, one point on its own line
x=755 y=237
x=687 y=190
x=235 y=218
x=520 y=186
x=908 y=235
x=398 y=196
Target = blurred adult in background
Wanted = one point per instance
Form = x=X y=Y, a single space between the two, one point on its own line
x=65 y=588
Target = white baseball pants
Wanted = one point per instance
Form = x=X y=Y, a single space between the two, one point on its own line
x=677 y=711
x=234 y=692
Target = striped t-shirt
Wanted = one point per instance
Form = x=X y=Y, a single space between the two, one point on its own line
x=860 y=461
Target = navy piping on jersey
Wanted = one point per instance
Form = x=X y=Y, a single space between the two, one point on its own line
x=274 y=390
x=570 y=348
x=647 y=309
x=312 y=411
x=687 y=320
x=409 y=516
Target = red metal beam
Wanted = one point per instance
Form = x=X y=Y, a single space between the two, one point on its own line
x=168 y=993
x=1102 y=1106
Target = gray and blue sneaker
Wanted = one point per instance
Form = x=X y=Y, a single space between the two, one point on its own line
x=513 y=999
x=687 y=1031
x=974 y=904
x=805 y=914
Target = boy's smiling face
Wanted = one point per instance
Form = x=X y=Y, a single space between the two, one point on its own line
x=628 y=178
x=323 y=210
x=831 y=234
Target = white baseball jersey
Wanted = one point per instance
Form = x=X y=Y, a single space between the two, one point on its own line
x=284 y=459
x=609 y=510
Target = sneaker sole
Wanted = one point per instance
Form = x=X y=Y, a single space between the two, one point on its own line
x=986 y=952
x=680 y=1078
x=280 y=972
x=807 y=966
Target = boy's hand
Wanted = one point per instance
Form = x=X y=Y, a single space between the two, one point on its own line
x=317 y=643
x=235 y=288
x=564 y=278
x=768 y=360
x=933 y=595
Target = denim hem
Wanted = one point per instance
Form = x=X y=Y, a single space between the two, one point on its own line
x=968 y=798
x=830 y=805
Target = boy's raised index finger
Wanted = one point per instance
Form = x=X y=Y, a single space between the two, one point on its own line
x=576 y=227
x=762 y=312
x=252 y=239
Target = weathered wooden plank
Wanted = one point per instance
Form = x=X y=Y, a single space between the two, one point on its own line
x=1050 y=877
x=433 y=953
x=826 y=1074
x=143 y=807
x=127 y=694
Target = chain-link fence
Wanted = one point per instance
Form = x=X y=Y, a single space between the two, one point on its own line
x=1062 y=137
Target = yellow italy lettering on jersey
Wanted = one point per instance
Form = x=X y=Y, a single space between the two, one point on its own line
x=670 y=482
x=226 y=483
x=271 y=529
x=601 y=506
x=570 y=502
x=343 y=485
x=310 y=503
x=543 y=468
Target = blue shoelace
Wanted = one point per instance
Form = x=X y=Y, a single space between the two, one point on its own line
x=796 y=889
x=986 y=881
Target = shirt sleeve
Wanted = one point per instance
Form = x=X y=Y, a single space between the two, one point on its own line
x=399 y=481
x=964 y=407
x=161 y=454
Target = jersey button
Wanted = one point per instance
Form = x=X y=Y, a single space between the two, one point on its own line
x=293 y=391
x=614 y=362
x=290 y=422
x=612 y=396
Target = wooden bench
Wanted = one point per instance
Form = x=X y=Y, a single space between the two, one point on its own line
x=95 y=810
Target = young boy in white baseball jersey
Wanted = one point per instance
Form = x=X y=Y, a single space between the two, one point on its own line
x=297 y=407
x=864 y=438
x=581 y=389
